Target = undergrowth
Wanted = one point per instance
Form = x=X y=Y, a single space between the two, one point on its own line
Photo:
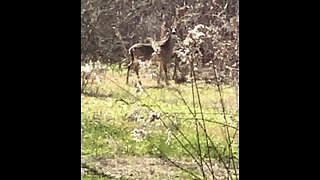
x=119 y=121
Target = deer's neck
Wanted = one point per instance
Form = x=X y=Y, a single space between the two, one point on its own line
x=168 y=43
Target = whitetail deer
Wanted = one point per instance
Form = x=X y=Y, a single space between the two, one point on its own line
x=160 y=51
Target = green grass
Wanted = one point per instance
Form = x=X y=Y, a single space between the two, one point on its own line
x=107 y=121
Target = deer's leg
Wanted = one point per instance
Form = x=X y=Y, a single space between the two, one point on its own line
x=128 y=73
x=165 y=68
x=174 y=77
x=136 y=69
x=160 y=71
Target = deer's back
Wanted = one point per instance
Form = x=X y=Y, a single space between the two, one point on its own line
x=142 y=51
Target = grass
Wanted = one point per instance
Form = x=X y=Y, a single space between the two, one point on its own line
x=108 y=119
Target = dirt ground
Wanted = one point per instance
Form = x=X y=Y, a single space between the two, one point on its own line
x=144 y=168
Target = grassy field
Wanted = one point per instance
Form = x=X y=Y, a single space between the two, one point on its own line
x=124 y=133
